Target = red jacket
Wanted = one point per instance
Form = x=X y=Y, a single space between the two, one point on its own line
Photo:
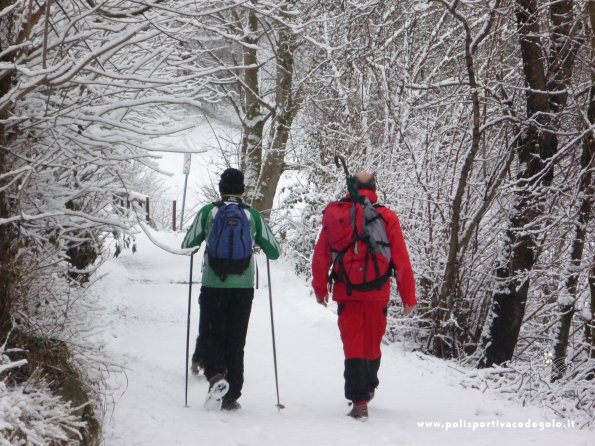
x=323 y=259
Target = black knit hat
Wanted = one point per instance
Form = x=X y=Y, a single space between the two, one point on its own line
x=231 y=182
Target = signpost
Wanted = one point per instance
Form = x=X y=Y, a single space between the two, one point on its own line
x=186 y=171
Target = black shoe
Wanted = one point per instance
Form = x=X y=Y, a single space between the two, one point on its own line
x=230 y=405
x=359 y=411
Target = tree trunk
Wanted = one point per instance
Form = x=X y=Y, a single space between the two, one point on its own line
x=591 y=324
x=286 y=107
x=8 y=233
x=444 y=340
x=562 y=57
x=8 y=236
x=252 y=121
x=535 y=148
x=568 y=299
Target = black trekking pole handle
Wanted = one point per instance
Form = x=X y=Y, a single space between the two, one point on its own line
x=339 y=158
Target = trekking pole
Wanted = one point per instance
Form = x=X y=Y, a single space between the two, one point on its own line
x=188 y=328
x=279 y=405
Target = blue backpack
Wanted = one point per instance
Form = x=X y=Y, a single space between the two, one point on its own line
x=229 y=244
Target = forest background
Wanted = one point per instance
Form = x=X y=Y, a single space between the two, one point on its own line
x=477 y=117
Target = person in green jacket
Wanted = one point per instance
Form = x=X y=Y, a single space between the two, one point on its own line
x=225 y=299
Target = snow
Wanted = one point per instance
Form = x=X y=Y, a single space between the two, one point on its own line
x=145 y=300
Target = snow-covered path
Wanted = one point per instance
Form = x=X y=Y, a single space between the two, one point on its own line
x=146 y=296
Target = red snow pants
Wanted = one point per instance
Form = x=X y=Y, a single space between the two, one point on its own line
x=362 y=325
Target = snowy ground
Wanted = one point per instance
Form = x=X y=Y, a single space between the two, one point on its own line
x=145 y=296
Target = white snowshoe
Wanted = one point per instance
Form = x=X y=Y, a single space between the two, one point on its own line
x=218 y=388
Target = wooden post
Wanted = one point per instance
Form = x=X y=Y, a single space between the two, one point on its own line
x=147 y=209
x=174 y=217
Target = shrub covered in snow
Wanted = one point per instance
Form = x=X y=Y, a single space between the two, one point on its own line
x=30 y=414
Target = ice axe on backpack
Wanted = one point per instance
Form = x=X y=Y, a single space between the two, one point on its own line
x=341 y=159
x=351 y=181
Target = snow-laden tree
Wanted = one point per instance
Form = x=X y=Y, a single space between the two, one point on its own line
x=257 y=48
x=433 y=97
x=84 y=86
x=550 y=132
x=477 y=118
x=404 y=90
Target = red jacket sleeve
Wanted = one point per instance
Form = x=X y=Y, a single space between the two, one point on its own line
x=321 y=262
x=400 y=258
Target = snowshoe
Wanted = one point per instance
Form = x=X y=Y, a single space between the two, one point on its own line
x=218 y=387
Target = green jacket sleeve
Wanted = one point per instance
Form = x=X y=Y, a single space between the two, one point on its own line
x=198 y=230
x=264 y=236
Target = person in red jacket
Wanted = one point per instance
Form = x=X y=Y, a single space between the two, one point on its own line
x=362 y=314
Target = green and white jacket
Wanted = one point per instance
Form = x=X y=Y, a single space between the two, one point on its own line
x=261 y=235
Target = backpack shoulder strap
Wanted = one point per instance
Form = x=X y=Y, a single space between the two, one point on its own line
x=378 y=207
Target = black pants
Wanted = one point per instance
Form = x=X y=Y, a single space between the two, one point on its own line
x=224 y=317
x=198 y=354
x=361 y=378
